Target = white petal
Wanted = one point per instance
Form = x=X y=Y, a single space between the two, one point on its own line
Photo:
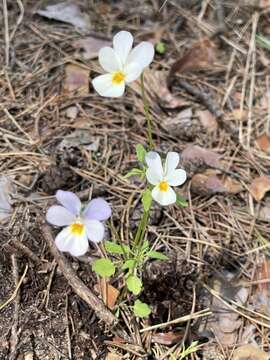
x=109 y=60
x=153 y=160
x=105 y=87
x=70 y=201
x=153 y=177
x=95 y=230
x=132 y=72
x=172 y=160
x=177 y=177
x=60 y=216
x=122 y=44
x=164 y=198
x=74 y=244
x=142 y=54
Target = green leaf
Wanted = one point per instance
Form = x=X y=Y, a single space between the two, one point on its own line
x=140 y=152
x=180 y=201
x=157 y=255
x=129 y=264
x=114 y=248
x=160 y=47
x=147 y=199
x=141 y=309
x=134 y=284
x=263 y=41
x=134 y=172
x=145 y=245
x=103 y=267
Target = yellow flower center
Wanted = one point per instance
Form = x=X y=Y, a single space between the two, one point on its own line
x=77 y=229
x=163 y=186
x=118 y=77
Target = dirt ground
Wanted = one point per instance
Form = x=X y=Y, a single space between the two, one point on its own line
x=209 y=96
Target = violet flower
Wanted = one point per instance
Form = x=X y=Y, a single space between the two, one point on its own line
x=80 y=225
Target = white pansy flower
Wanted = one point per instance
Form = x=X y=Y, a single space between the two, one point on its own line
x=122 y=64
x=163 y=178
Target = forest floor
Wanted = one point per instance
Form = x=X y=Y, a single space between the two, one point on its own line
x=209 y=94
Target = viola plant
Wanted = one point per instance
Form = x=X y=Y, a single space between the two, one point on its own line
x=122 y=65
x=80 y=224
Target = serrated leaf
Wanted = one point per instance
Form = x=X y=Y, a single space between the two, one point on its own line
x=157 y=255
x=147 y=199
x=141 y=309
x=129 y=264
x=140 y=152
x=103 y=267
x=114 y=248
x=134 y=172
x=134 y=284
x=180 y=201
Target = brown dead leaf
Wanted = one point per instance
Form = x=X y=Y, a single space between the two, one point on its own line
x=91 y=46
x=250 y=352
x=158 y=84
x=113 y=356
x=169 y=338
x=67 y=12
x=263 y=143
x=259 y=187
x=205 y=184
x=200 y=56
x=197 y=159
x=224 y=323
x=208 y=120
x=108 y=292
x=76 y=80
x=233 y=186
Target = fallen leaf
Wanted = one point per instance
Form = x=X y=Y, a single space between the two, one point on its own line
x=263 y=143
x=76 y=80
x=250 y=352
x=77 y=138
x=91 y=46
x=239 y=114
x=224 y=323
x=169 y=338
x=72 y=112
x=208 y=120
x=200 y=56
x=113 y=356
x=67 y=12
x=7 y=188
x=233 y=186
x=259 y=187
x=197 y=159
x=108 y=292
x=204 y=184
x=264 y=213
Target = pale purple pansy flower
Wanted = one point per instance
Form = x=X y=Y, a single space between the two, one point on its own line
x=80 y=224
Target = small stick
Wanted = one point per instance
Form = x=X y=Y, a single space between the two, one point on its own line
x=81 y=289
x=14 y=329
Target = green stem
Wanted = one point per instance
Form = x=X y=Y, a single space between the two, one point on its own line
x=147 y=115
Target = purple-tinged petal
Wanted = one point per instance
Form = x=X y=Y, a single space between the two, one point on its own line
x=97 y=209
x=70 y=201
x=60 y=216
x=95 y=230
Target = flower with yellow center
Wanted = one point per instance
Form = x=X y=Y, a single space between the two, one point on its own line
x=163 y=178
x=80 y=226
x=122 y=64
